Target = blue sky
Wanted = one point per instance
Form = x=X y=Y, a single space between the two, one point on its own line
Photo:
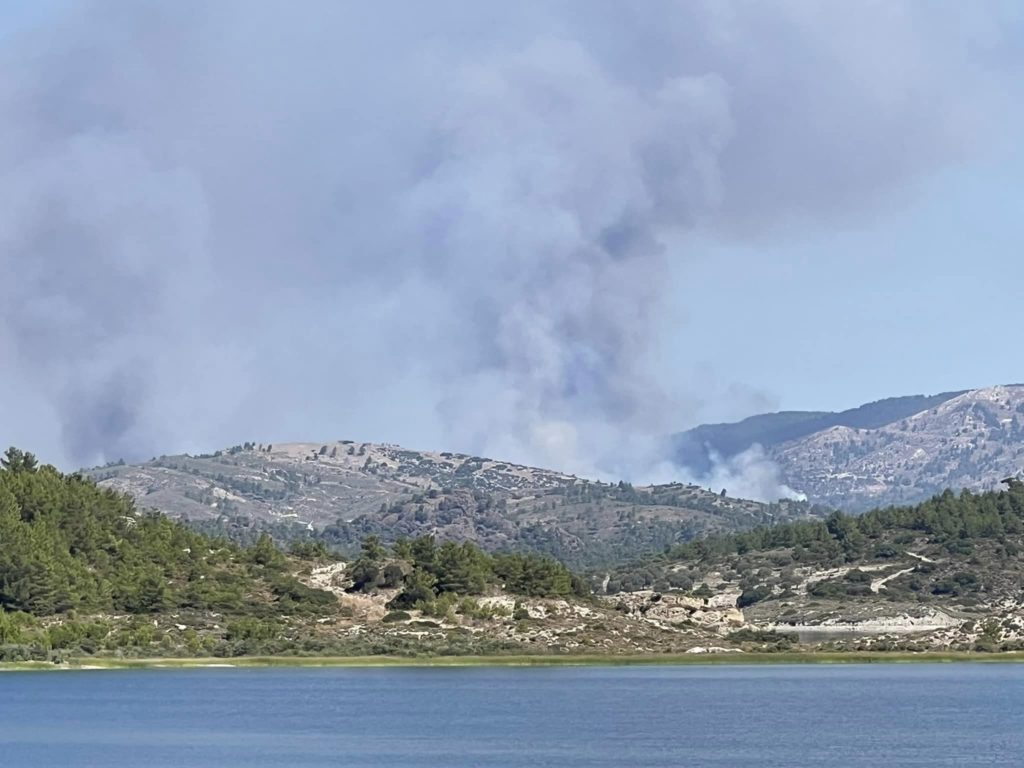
x=550 y=231
x=918 y=296
x=21 y=15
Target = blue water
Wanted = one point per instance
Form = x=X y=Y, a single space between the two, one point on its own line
x=916 y=715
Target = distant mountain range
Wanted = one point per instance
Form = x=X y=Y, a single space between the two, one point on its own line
x=893 y=451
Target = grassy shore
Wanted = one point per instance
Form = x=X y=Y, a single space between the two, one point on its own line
x=809 y=657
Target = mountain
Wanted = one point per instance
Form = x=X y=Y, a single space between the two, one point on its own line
x=895 y=451
x=946 y=573
x=696 y=447
x=342 y=491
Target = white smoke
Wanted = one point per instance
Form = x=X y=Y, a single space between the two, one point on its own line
x=748 y=475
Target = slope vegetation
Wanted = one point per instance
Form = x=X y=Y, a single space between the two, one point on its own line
x=84 y=573
x=343 y=491
x=944 y=573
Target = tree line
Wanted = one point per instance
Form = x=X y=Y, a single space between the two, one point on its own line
x=67 y=544
x=425 y=571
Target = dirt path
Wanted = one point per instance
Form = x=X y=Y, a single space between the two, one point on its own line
x=878 y=584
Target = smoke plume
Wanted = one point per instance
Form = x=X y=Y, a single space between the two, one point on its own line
x=446 y=224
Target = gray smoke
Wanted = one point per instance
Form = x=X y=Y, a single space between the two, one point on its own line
x=445 y=224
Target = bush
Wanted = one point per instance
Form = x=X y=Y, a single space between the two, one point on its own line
x=394 y=616
x=703 y=591
x=857 y=576
x=310 y=549
x=678 y=580
x=827 y=589
x=392 y=576
x=754 y=595
x=749 y=635
x=440 y=607
x=365 y=575
x=252 y=629
x=295 y=595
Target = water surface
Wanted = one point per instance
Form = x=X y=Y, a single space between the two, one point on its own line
x=861 y=715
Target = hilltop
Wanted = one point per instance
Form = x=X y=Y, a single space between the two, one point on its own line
x=895 y=451
x=342 y=491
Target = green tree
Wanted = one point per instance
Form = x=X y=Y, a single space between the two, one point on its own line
x=15 y=460
x=265 y=552
x=419 y=588
x=372 y=549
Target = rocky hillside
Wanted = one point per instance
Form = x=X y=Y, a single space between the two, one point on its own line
x=892 y=452
x=84 y=573
x=340 y=492
x=946 y=573
x=697 y=447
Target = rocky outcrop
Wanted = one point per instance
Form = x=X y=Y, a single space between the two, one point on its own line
x=672 y=610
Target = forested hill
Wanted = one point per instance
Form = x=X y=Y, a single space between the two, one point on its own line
x=83 y=572
x=953 y=564
x=68 y=545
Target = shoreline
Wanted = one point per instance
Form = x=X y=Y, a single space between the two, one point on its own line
x=368 y=662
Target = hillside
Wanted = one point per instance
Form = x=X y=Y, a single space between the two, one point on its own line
x=943 y=574
x=81 y=567
x=695 y=447
x=895 y=451
x=342 y=491
x=84 y=573
x=971 y=441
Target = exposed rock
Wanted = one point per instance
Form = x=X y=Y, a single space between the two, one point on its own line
x=974 y=440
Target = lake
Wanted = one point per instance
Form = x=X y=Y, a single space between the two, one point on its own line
x=857 y=715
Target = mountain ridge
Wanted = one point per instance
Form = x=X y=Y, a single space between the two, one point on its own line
x=893 y=451
x=343 y=491
x=694 y=446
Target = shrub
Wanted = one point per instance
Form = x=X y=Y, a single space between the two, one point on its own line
x=857 y=576
x=392 y=576
x=749 y=635
x=754 y=595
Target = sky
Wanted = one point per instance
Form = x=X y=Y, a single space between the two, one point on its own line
x=550 y=232
x=915 y=299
